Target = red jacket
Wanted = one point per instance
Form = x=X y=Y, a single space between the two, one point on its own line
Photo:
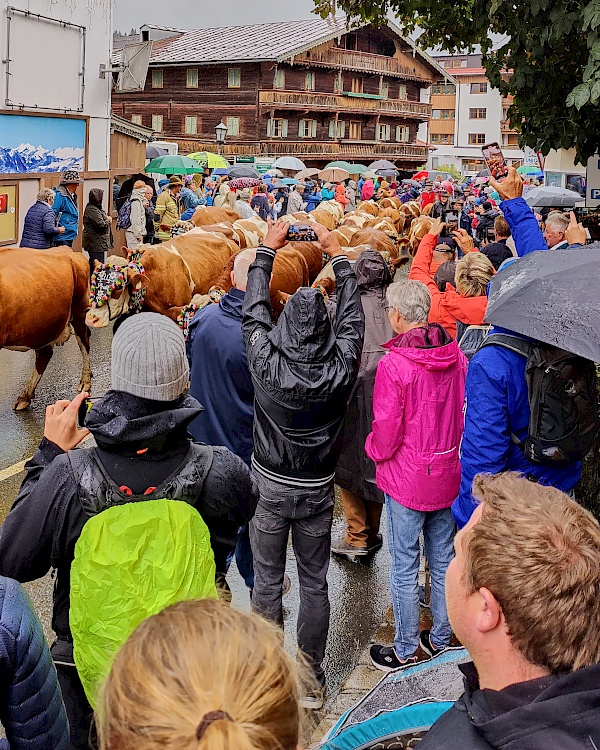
x=449 y=306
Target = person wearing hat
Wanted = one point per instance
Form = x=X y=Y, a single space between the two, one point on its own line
x=144 y=454
x=66 y=209
x=168 y=208
x=242 y=204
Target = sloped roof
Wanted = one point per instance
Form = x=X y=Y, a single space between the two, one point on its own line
x=126 y=127
x=259 y=42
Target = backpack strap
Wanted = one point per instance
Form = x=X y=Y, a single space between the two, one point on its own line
x=513 y=344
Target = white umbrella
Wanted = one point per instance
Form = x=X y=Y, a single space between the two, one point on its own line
x=370 y=175
x=306 y=173
x=274 y=173
x=546 y=196
x=334 y=174
x=289 y=162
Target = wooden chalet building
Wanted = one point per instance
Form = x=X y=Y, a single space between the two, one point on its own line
x=311 y=89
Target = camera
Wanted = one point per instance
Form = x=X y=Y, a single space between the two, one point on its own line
x=85 y=409
x=301 y=233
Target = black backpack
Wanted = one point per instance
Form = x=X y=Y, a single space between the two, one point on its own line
x=563 y=401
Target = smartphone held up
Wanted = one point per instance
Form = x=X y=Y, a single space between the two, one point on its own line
x=301 y=233
x=495 y=161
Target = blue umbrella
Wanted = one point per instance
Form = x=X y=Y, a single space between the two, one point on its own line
x=220 y=172
x=290 y=181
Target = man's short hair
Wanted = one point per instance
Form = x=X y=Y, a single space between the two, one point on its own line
x=501 y=227
x=559 y=221
x=473 y=273
x=411 y=298
x=486 y=205
x=241 y=265
x=538 y=552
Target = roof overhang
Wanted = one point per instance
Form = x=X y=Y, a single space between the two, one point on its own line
x=126 y=127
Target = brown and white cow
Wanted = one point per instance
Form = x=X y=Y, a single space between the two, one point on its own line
x=43 y=297
x=206 y=215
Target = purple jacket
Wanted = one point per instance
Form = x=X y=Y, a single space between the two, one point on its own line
x=418 y=408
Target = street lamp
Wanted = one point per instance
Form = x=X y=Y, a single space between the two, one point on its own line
x=221 y=133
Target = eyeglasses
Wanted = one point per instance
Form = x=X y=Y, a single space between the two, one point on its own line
x=388 y=308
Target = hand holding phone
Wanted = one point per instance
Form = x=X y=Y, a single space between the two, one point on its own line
x=301 y=233
x=60 y=426
x=495 y=161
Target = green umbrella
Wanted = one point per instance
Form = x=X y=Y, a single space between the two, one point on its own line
x=209 y=159
x=171 y=164
x=357 y=168
x=338 y=165
x=528 y=169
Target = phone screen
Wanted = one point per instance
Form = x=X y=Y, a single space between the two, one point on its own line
x=301 y=233
x=590 y=219
x=494 y=160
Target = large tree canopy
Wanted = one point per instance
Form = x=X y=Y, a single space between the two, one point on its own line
x=552 y=48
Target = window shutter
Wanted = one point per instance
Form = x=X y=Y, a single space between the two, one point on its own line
x=300 y=128
x=284 y=128
x=313 y=131
x=269 y=128
x=342 y=129
x=388 y=132
x=398 y=132
x=332 y=128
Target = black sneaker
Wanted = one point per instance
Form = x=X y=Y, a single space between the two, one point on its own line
x=422 y=600
x=376 y=545
x=385 y=659
x=427 y=645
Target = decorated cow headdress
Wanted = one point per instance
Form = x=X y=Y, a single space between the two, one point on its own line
x=110 y=277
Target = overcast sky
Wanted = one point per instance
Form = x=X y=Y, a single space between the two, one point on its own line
x=194 y=14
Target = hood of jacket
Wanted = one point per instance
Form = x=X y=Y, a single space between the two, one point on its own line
x=139 y=194
x=429 y=346
x=232 y=302
x=304 y=332
x=65 y=193
x=371 y=271
x=123 y=423
x=540 y=710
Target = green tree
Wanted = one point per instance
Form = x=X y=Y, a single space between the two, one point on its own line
x=449 y=168
x=552 y=48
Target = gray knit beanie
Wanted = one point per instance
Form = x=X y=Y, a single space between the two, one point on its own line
x=148 y=358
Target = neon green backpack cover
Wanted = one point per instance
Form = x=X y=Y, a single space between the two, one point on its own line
x=132 y=561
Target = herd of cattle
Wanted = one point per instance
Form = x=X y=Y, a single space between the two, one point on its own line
x=45 y=294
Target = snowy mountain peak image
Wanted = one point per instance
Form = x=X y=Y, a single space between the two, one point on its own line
x=28 y=158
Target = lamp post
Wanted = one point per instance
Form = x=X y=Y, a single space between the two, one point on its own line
x=221 y=133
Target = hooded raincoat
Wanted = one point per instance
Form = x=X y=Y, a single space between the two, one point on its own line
x=303 y=370
x=418 y=407
x=355 y=472
x=97 y=235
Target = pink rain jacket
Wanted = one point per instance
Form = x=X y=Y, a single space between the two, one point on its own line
x=418 y=408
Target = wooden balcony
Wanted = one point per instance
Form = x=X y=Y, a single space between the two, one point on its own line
x=366 y=63
x=313 y=102
x=359 y=151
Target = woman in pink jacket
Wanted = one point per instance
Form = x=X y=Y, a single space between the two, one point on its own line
x=418 y=409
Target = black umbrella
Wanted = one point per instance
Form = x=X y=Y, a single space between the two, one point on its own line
x=242 y=171
x=387 y=172
x=551 y=296
x=483 y=173
x=153 y=152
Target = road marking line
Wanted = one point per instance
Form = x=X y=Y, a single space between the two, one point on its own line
x=12 y=470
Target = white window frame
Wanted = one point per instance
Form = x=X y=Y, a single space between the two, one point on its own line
x=191 y=125
x=158 y=78
x=310 y=80
x=307 y=129
x=155 y=120
x=279 y=78
x=234 y=78
x=402 y=133
x=384 y=132
x=191 y=78
x=136 y=119
x=277 y=127
x=233 y=126
x=337 y=129
x=402 y=92
x=384 y=90
x=358 y=125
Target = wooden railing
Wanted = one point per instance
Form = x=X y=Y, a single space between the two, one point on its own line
x=367 y=62
x=333 y=102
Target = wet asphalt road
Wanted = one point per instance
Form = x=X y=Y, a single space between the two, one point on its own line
x=359 y=593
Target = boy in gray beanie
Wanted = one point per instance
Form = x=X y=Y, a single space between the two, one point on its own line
x=143 y=453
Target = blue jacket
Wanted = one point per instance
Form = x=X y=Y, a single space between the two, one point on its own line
x=39 y=229
x=497 y=401
x=65 y=204
x=31 y=710
x=327 y=195
x=220 y=378
x=189 y=199
x=313 y=201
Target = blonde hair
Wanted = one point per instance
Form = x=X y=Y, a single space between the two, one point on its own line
x=538 y=552
x=201 y=675
x=473 y=273
x=140 y=184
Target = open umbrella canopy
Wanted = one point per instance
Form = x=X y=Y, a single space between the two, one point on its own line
x=387 y=172
x=290 y=181
x=421 y=175
x=552 y=197
x=341 y=164
x=209 y=159
x=171 y=164
x=274 y=173
x=304 y=174
x=528 y=169
x=220 y=172
x=241 y=170
x=280 y=185
x=382 y=164
x=152 y=152
x=413 y=183
x=289 y=162
x=552 y=297
x=334 y=174
x=481 y=180
x=357 y=169
x=370 y=175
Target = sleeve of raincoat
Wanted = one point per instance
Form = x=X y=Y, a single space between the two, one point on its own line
x=388 y=401
x=256 y=320
x=523 y=225
x=49 y=227
x=27 y=535
x=350 y=319
x=486 y=438
x=422 y=263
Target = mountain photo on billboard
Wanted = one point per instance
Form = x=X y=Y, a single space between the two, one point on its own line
x=30 y=144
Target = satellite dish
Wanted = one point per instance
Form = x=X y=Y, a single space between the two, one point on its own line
x=135 y=62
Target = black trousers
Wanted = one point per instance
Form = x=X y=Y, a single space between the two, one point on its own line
x=79 y=711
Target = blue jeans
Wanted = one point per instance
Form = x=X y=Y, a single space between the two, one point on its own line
x=404 y=527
